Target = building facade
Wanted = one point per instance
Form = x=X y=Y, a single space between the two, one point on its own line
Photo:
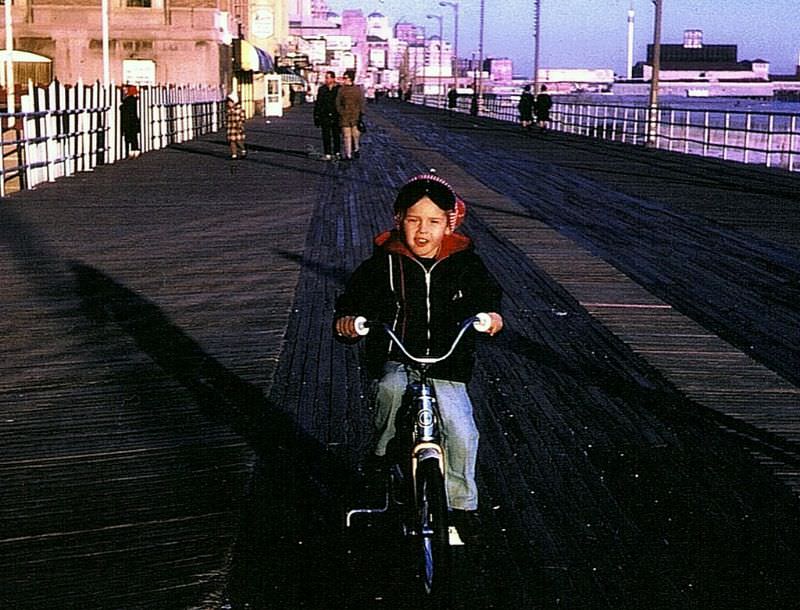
x=177 y=42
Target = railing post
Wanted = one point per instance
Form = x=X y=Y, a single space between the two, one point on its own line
x=725 y=134
x=671 y=131
x=624 y=124
x=614 y=120
x=687 y=132
x=706 y=133
x=748 y=123
x=792 y=133
x=770 y=138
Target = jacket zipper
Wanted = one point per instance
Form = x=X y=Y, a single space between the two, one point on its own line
x=427 y=273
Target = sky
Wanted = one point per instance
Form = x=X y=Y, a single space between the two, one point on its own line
x=593 y=33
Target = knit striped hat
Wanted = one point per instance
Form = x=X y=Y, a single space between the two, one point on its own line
x=437 y=190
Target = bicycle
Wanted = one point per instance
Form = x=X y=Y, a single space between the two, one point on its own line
x=415 y=485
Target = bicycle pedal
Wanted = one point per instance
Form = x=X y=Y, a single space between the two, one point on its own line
x=454 y=537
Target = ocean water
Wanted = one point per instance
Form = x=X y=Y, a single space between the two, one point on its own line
x=688 y=103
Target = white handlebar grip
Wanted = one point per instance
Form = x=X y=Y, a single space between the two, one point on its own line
x=361 y=326
x=483 y=323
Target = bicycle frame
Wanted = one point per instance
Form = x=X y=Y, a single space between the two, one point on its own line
x=417 y=472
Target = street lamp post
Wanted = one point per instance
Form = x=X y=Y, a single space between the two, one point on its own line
x=439 y=72
x=455 y=40
x=537 y=17
x=104 y=18
x=652 y=119
x=10 y=101
x=424 y=62
x=479 y=93
x=473 y=106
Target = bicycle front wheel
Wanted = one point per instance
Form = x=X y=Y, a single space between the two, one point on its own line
x=434 y=545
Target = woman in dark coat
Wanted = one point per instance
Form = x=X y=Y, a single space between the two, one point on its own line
x=525 y=107
x=542 y=107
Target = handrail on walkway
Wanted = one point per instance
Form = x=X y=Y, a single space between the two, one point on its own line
x=746 y=136
x=62 y=130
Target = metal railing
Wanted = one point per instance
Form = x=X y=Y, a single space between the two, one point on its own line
x=746 y=136
x=64 y=130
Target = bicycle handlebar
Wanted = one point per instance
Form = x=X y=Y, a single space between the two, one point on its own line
x=480 y=322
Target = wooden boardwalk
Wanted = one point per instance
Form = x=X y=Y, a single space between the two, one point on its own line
x=178 y=428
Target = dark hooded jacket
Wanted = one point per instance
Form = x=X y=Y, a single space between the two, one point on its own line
x=425 y=306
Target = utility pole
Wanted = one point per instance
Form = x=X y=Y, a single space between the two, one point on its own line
x=652 y=118
x=537 y=19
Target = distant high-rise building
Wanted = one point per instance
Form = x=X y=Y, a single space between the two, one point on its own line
x=188 y=44
x=500 y=69
x=694 y=60
x=378 y=26
x=693 y=51
x=408 y=32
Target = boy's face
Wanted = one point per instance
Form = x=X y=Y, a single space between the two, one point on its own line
x=424 y=225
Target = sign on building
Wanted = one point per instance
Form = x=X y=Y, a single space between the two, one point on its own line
x=339 y=43
x=262 y=24
x=314 y=48
x=377 y=58
x=138 y=72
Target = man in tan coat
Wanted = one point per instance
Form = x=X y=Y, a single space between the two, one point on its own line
x=350 y=106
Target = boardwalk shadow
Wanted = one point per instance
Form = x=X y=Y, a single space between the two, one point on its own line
x=224 y=153
x=668 y=405
x=294 y=496
x=337 y=273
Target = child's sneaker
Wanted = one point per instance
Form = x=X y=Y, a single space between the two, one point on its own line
x=467 y=524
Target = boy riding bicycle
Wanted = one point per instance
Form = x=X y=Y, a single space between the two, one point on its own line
x=424 y=279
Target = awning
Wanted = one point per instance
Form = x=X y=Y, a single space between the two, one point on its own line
x=19 y=57
x=255 y=59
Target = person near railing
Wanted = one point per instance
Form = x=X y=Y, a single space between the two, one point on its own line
x=452 y=100
x=542 y=107
x=525 y=107
x=129 y=120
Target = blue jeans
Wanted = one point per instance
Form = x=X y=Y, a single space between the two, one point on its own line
x=459 y=432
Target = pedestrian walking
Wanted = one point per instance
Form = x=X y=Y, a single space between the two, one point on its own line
x=525 y=107
x=129 y=120
x=235 y=126
x=326 y=117
x=351 y=107
x=542 y=107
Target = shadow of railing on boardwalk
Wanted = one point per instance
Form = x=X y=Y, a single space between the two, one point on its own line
x=296 y=492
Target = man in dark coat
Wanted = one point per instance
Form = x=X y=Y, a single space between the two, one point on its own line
x=326 y=116
x=129 y=120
